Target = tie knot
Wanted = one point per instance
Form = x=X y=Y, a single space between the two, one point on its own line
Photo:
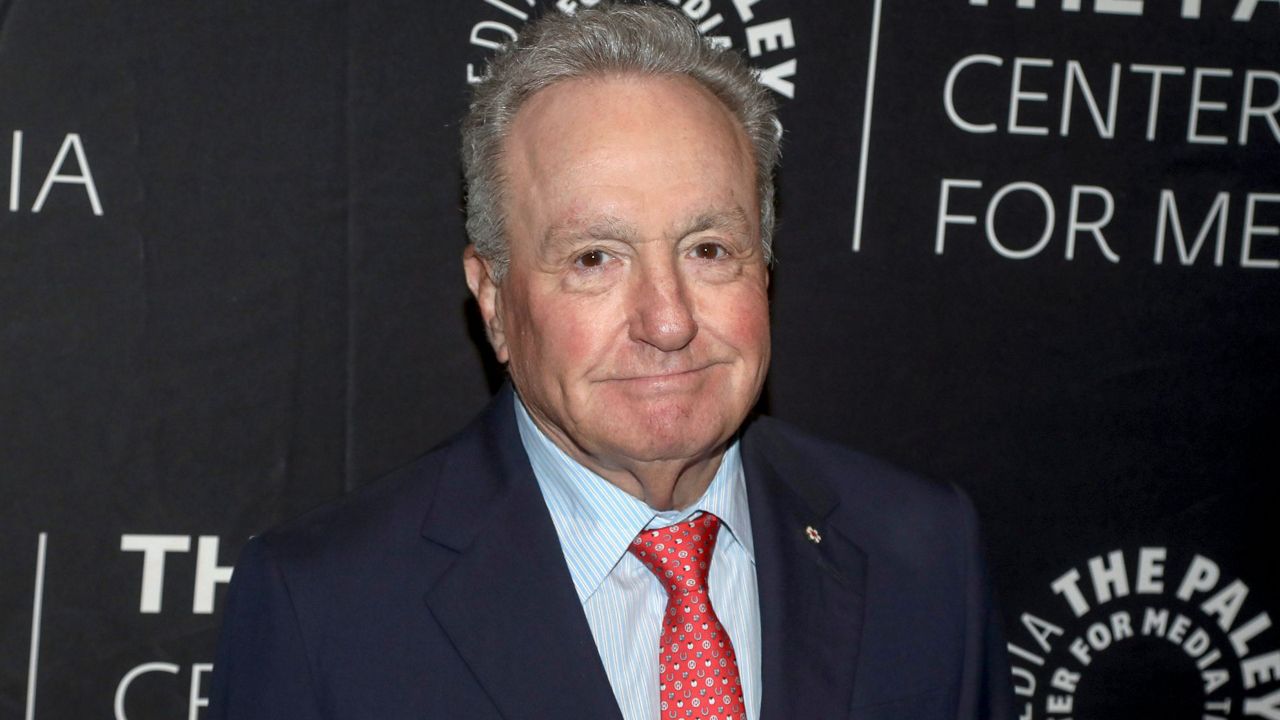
x=680 y=554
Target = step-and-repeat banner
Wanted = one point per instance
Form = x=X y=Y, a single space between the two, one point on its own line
x=1030 y=247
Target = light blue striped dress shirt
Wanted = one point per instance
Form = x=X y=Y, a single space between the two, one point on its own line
x=623 y=601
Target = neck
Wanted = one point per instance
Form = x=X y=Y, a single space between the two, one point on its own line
x=663 y=485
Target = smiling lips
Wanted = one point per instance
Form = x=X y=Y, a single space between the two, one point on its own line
x=664 y=377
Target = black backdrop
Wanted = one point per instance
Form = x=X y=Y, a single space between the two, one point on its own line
x=1030 y=248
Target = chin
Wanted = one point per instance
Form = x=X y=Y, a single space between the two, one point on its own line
x=677 y=430
x=645 y=450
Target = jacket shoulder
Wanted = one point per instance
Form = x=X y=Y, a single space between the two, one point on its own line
x=878 y=504
x=381 y=515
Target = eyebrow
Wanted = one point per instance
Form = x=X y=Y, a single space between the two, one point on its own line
x=726 y=220
x=609 y=227
x=605 y=227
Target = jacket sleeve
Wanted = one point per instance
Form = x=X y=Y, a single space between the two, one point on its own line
x=986 y=691
x=262 y=670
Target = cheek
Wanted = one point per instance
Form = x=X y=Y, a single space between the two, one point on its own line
x=755 y=323
x=523 y=331
x=743 y=319
x=567 y=337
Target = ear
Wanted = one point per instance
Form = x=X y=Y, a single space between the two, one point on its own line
x=487 y=294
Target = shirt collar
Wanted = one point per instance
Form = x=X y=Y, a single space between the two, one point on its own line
x=596 y=520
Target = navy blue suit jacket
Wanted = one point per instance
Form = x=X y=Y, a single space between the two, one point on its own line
x=441 y=592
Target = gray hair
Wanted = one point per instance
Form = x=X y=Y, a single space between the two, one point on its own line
x=608 y=39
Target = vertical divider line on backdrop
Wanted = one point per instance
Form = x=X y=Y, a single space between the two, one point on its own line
x=866 y=125
x=37 y=604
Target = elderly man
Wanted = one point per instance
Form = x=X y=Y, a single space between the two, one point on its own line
x=612 y=537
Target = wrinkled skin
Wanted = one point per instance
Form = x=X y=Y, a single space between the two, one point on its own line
x=634 y=313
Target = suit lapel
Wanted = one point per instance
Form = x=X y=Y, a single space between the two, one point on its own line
x=507 y=602
x=811 y=593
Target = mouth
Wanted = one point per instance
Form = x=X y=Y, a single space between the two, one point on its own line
x=661 y=377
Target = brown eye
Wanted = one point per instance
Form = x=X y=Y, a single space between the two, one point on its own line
x=593 y=259
x=709 y=251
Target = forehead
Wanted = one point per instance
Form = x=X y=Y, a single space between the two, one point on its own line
x=627 y=99
x=609 y=144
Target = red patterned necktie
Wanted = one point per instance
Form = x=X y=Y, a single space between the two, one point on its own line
x=697 y=668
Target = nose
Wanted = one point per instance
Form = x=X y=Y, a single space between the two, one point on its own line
x=662 y=315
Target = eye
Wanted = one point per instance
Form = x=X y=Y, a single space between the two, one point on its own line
x=592 y=259
x=709 y=251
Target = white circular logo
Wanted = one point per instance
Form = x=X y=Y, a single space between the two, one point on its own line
x=755 y=27
x=1136 y=631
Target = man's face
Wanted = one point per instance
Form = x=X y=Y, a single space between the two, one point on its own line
x=634 y=314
